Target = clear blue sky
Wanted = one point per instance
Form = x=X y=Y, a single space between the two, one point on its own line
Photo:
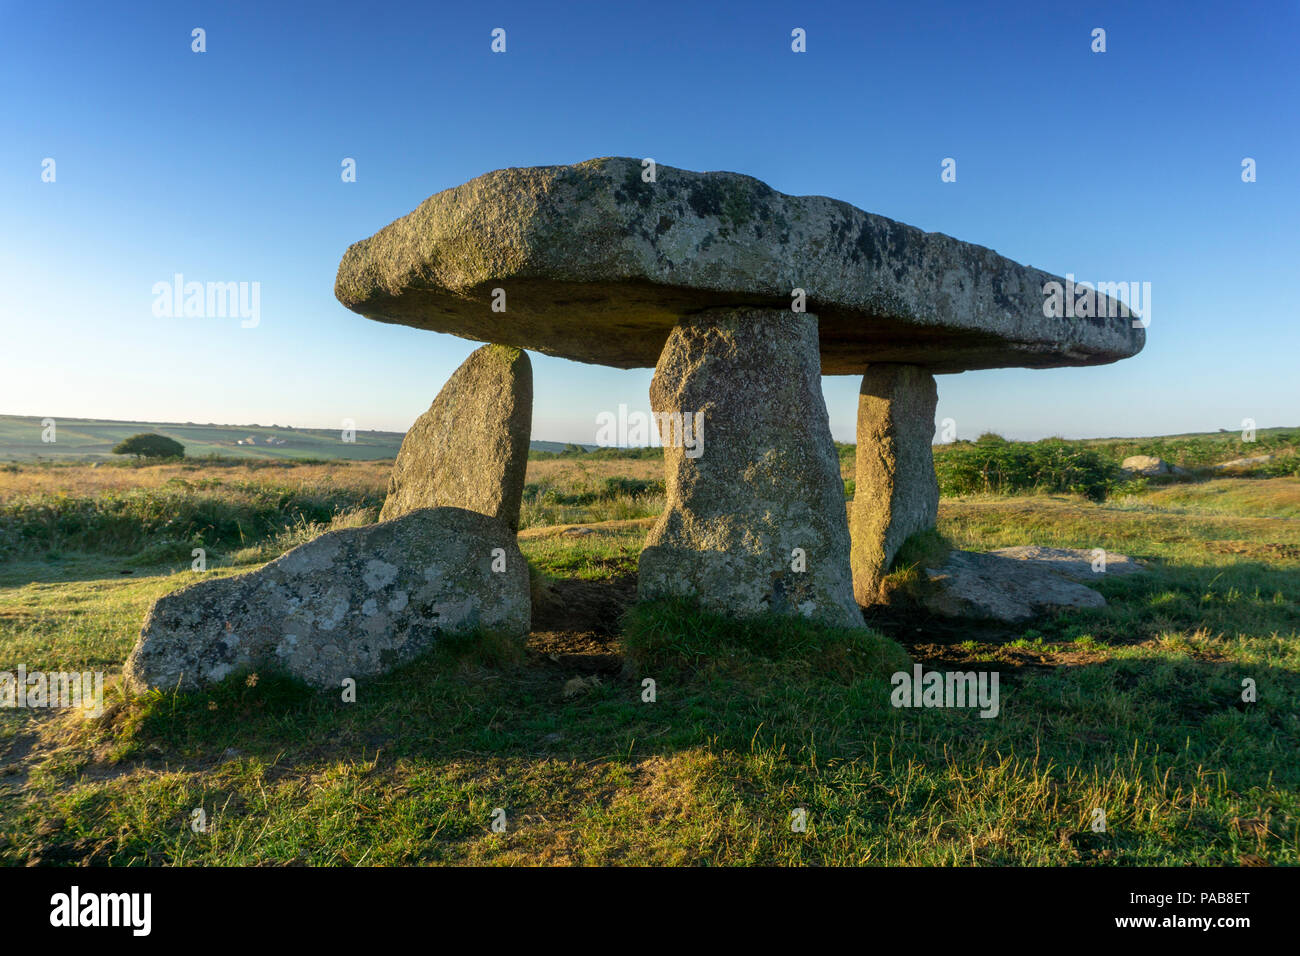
x=225 y=166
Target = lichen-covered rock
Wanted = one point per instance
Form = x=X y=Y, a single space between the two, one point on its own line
x=597 y=265
x=754 y=522
x=1148 y=466
x=1017 y=584
x=896 y=493
x=1085 y=565
x=351 y=603
x=470 y=449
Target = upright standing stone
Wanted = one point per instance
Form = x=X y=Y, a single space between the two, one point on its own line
x=470 y=449
x=755 y=519
x=897 y=493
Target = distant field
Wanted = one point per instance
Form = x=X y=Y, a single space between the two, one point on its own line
x=75 y=438
x=88 y=438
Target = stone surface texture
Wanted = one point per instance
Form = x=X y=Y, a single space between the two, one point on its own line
x=597 y=265
x=351 y=603
x=1075 y=563
x=1147 y=466
x=896 y=492
x=1017 y=584
x=470 y=449
x=767 y=481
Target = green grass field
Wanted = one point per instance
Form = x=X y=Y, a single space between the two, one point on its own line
x=81 y=439
x=1134 y=709
x=77 y=439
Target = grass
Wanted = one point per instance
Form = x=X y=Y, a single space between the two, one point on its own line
x=161 y=512
x=1268 y=498
x=1198 y=451
x=609 y=551
x=23 y=437
x=1135 y=709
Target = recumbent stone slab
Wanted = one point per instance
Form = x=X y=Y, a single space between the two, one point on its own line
x=1020 y=583
x=351 y=603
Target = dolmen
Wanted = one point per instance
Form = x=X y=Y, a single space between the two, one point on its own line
x=740 y=298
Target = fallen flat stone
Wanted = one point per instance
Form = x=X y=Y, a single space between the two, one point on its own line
x=470 y=449
x=351 y=603
x=896 y=492
x=597 y=265
x=996 y=587
x=1075 y=563
x=755 y=522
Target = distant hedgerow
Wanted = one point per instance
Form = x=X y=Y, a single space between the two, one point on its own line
x=996 y=466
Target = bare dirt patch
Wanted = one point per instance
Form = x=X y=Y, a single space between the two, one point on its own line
x=576 y=623
x=941 y=642
x=1269 y=550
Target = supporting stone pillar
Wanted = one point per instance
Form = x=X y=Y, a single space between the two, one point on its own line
x=470 y=449
x=755 y=518
x=897 y=492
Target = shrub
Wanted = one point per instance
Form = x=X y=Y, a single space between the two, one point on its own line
x=1002 y=467
x=147 y=445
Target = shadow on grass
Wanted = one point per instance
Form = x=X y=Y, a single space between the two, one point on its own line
x=756 y=714
x=717 y=681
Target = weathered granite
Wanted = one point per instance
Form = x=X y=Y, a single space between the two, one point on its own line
x=1017 y=584
x=598 y=266
x=1147 y=466
x=351 y=603
x=767 y=480
x=470 y=449
x=896 y=492
x=1075 y=563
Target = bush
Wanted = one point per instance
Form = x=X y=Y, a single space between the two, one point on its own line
x=150 y=446
x=996 y=466
x=609 y=489
x=1202 y=451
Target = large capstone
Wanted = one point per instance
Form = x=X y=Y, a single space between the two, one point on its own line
x=896 y=492
x=470 y=449
x=349 y=604
x=597 y=262
x=755 y=519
